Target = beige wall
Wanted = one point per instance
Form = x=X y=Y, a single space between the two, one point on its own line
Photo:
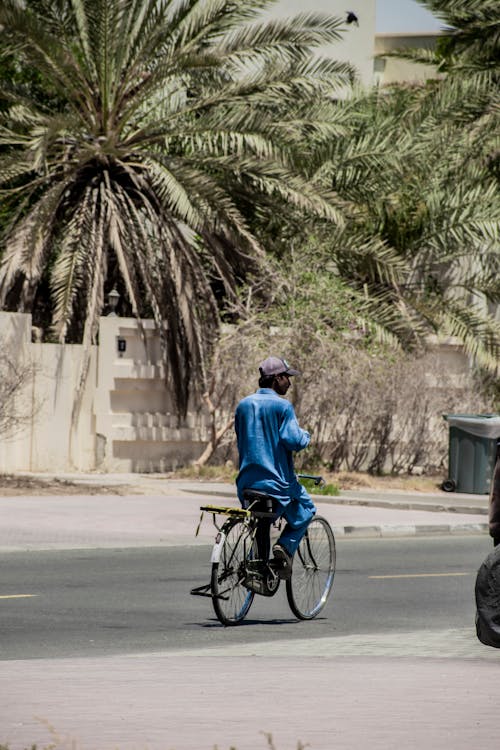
x=44 y=439
x=136 y=427
x=391 y=70
x=127 y=421
x=361 y=45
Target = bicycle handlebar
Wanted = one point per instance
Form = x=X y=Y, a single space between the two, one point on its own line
x=318 y=481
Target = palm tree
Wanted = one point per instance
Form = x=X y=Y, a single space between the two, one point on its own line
x=160 y=121
x=455 y=122
x=471 y=44
x=417 y=167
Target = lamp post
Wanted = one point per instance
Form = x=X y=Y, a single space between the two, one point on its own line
x=113 y=298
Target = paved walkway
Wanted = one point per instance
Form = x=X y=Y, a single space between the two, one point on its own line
x=427 y=689
x=169 y=702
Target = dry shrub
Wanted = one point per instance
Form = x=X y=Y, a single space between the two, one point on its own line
x=384 y=413
x=233 y=374
x=372 y=410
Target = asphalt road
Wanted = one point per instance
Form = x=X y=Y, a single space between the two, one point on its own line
x=102 y=602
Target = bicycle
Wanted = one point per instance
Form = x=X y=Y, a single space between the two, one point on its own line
x=240 y=570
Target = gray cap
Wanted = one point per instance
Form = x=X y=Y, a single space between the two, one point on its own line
x=276 y=366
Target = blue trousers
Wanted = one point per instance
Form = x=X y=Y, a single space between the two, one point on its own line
x=297 y=514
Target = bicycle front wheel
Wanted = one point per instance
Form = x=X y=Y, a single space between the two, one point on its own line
x=230 y=598
x=313 y=571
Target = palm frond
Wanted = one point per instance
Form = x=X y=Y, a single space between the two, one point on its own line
x=479 y=334
x=163 y=128
x=69 y=275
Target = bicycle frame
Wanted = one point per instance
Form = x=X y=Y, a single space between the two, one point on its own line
x=251 y=520
x=240 y=567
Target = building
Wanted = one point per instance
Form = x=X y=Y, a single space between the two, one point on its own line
x=363 y=46
x=387 y=70
x=357 y=43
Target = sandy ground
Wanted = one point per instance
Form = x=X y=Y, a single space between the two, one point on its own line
x=11 y=485
x=21 y=484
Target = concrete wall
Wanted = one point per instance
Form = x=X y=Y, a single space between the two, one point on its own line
x=135 y=422
x=391 y=70
x=126 y=421
x=44 y=439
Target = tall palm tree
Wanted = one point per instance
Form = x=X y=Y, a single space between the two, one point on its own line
x=471 y=44
x=455 y=159
x=418 y=168
x=160 y=121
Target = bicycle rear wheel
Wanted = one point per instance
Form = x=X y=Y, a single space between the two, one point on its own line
x=230 y=598
x=313 y=571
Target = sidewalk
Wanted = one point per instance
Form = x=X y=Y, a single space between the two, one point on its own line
x=167 y=512
x=426 y=689
x=177 y=702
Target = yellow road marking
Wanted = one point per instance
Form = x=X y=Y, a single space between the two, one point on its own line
x=423 y=575
x=17 y=596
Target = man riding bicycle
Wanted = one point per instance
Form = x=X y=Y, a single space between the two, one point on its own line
x=267 y=434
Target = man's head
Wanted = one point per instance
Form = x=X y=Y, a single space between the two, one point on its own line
x=275 y=373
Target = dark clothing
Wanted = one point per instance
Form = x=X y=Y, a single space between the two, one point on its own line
x=494 y=506
x=487 y=592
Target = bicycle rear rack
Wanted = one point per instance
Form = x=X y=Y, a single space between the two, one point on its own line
x=232 y=512
x=215 y=510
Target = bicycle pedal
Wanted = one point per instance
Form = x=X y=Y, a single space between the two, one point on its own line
x=282 y=572
x=264 y=582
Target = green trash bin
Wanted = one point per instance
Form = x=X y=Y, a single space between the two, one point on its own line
x=471 y=453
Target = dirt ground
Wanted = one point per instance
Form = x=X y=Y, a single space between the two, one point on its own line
x=352 y=481
x=13 y=484
x=344 y=480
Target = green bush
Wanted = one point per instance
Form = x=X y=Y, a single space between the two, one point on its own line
x=320 y=489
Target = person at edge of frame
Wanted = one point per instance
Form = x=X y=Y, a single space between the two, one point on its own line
x=494 y=503
x=267 y=433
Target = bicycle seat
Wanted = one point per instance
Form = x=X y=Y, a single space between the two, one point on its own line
x=258 y=502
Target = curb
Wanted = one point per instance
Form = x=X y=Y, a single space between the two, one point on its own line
x=388 y=531
x=433 y=507
x=402 y=505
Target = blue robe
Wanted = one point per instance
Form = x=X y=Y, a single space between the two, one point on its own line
x=268 y=433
